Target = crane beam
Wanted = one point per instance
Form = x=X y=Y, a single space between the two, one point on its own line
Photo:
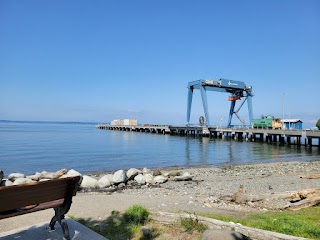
x=236 y=89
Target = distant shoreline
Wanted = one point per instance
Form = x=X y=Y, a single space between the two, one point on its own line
x=46 y=122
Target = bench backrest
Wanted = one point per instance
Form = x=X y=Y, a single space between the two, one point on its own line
x=22 y=195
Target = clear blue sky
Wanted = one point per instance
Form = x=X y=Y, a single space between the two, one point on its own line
x=103 y=60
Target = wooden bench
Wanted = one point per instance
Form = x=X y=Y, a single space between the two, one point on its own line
x=35 y=196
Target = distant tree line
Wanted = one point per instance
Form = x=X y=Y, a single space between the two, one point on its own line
x=318 y=124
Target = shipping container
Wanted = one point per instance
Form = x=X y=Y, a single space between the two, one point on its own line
x=124 y=122
x=267 y=122
x=231 y=83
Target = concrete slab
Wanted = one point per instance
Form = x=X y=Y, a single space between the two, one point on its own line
x=40 y=232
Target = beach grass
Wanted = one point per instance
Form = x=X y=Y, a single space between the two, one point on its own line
x=120 y=226
x=301 y=223
x=128 y=225
x=191 y=225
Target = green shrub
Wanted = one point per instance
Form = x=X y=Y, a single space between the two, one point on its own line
x=191 y=225
x=136 y=214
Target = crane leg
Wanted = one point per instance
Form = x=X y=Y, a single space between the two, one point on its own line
x=249 y=100
x=205 y=104
x=233 y=103
x=190 y=93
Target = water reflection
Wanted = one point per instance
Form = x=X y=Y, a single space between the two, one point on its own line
x=209 y=151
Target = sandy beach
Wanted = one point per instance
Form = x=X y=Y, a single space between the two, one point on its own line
x=210 y=191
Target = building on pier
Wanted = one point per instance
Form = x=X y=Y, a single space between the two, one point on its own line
x=291 y=123
x=124 y=122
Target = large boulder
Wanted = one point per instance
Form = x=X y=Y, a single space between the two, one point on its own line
x=149 y=178
x=146 y=170
x=172 y=173
x=34 y=177
x=132 y=172
x=72 y=173
x=157 y=172
x=160 y=179
x=186 y=176
x=22 y=181
x=104 y=182
x=119 y=177
x=48 y=175
x=140 y=179
x=110 y=177
x=13 y=176
x=7 y=183
x=88 y=182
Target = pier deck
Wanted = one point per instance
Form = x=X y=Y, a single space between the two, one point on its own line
x=284 y=136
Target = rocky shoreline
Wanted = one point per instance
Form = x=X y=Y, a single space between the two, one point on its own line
x=246 y=188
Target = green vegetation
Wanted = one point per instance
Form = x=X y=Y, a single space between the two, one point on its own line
x=136 y=215
x=190 y=225
x=128 y=226
x=318 y=124
x=118 y=226
x=301 y=223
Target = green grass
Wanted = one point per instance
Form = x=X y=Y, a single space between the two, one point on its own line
x=301 y=223
x=190 y=225
x=136 y=215
x=120 y=226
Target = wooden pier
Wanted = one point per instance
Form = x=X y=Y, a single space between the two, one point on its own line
x=283 y=136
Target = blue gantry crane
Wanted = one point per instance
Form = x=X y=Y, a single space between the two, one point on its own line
x=236 y=89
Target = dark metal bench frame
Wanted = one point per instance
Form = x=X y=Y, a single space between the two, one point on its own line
x=36 y=196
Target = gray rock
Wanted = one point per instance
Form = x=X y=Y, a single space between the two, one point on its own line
x=88 y=182
x=147 y=232
x=140 y=179
x=110 y=176
x=186 y=176
x=22 y=181
x=73 y=173
x=132 y=172
x=121 y=185
x=104 y=182
x=157 y=172
x=173 y=173
x=213 y=234
x=149 y=178
x=119 y=177
x=7 y=183
x=160 y=179
x=34 y=177
x=146 y=170
x=14 y=176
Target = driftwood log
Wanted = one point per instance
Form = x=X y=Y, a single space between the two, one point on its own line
x=310 y=176
x=305 y=198
x=295 y=200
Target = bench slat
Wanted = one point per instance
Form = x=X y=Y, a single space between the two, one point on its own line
x=40 y=207
x=18 y=196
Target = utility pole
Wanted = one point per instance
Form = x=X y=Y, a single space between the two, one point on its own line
x=283 y=105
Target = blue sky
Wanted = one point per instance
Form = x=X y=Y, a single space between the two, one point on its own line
x=103 y=60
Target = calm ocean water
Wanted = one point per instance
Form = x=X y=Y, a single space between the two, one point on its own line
x=32 y=147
